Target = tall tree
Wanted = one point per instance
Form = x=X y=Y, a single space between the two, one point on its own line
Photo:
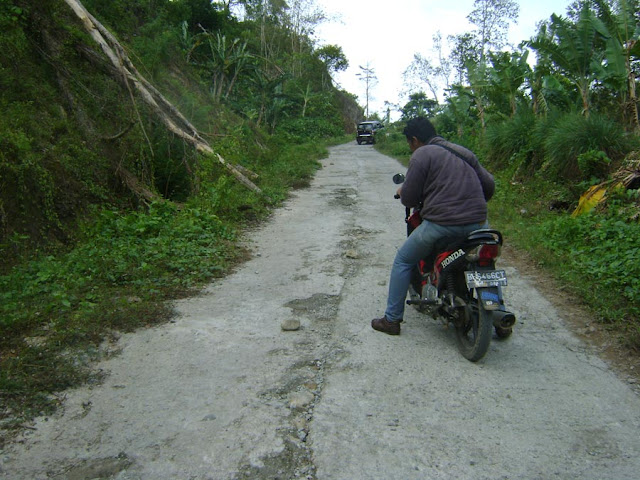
x=285 y=26
x=465 y=52
x=333 y=58
x=302 y=18
x=492 y=18
x=267 y=15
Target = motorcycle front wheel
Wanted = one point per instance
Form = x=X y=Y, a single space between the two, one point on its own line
x=474 y=332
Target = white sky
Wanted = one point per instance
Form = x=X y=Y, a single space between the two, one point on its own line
x=386 y=34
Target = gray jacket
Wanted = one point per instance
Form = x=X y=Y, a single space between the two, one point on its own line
x=450 y=182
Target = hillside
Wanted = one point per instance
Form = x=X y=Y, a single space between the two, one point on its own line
x=112 y=202
x=76 y=134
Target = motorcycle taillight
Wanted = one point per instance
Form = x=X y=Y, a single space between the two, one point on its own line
x=487 y=254
x=483 y=255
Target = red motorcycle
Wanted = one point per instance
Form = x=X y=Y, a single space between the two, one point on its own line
x=459 y=284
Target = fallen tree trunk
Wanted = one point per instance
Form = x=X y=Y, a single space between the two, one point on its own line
x=170 y=116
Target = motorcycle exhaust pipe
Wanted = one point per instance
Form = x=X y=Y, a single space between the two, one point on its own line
x=503 y=319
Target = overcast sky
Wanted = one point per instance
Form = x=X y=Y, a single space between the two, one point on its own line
x=387 y=33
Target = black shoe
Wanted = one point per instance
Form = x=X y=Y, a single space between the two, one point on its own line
x=384 y=325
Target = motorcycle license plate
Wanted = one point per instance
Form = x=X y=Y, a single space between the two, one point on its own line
x=490 y=278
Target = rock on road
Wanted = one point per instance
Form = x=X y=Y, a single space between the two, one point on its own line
x=224 y=393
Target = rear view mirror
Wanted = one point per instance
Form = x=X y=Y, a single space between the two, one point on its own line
x=398 y=178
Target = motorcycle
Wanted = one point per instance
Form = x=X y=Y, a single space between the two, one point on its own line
x=459 y=284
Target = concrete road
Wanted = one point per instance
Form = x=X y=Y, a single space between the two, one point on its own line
x=224 y=393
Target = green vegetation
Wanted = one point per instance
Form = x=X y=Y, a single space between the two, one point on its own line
x=594 y=255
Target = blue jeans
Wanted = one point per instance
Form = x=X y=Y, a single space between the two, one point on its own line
x=418 y=245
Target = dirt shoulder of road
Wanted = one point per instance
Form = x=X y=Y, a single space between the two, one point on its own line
x=608 y=343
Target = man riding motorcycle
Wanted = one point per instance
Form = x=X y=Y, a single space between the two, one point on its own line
x=453 y=188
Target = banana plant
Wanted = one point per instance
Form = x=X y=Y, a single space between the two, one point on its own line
x=457 y=107
x=574 y=49
x=622 y=49
x=223 y=61
x=507 y=75
x=268 y=91
x=478 y=87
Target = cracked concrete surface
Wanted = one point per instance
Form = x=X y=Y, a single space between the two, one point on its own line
x=223 y=393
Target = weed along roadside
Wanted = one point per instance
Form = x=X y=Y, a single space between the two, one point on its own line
x=224 y=392
x=63 y=312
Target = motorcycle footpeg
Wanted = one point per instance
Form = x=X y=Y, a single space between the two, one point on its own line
x=424 y=302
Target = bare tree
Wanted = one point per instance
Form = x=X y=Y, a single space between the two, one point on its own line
x=421 y=72
x=368 y=76
x=492 y=18
x=435 y=74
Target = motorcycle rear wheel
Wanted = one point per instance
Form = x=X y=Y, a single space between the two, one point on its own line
x=474 y=332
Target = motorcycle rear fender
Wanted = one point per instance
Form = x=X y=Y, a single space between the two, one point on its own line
x=491 y=297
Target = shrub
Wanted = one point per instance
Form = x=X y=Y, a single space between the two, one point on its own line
x=301 y=130
x=575 y=134
x=602 y=252
x=506 y=139
x=594 y=163
x=394 y=143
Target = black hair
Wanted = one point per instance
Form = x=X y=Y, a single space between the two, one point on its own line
x=421 y=128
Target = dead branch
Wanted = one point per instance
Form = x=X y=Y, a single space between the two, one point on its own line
x=237 y=173
x=122 y=133
x=134 y=185
x=248 y=173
